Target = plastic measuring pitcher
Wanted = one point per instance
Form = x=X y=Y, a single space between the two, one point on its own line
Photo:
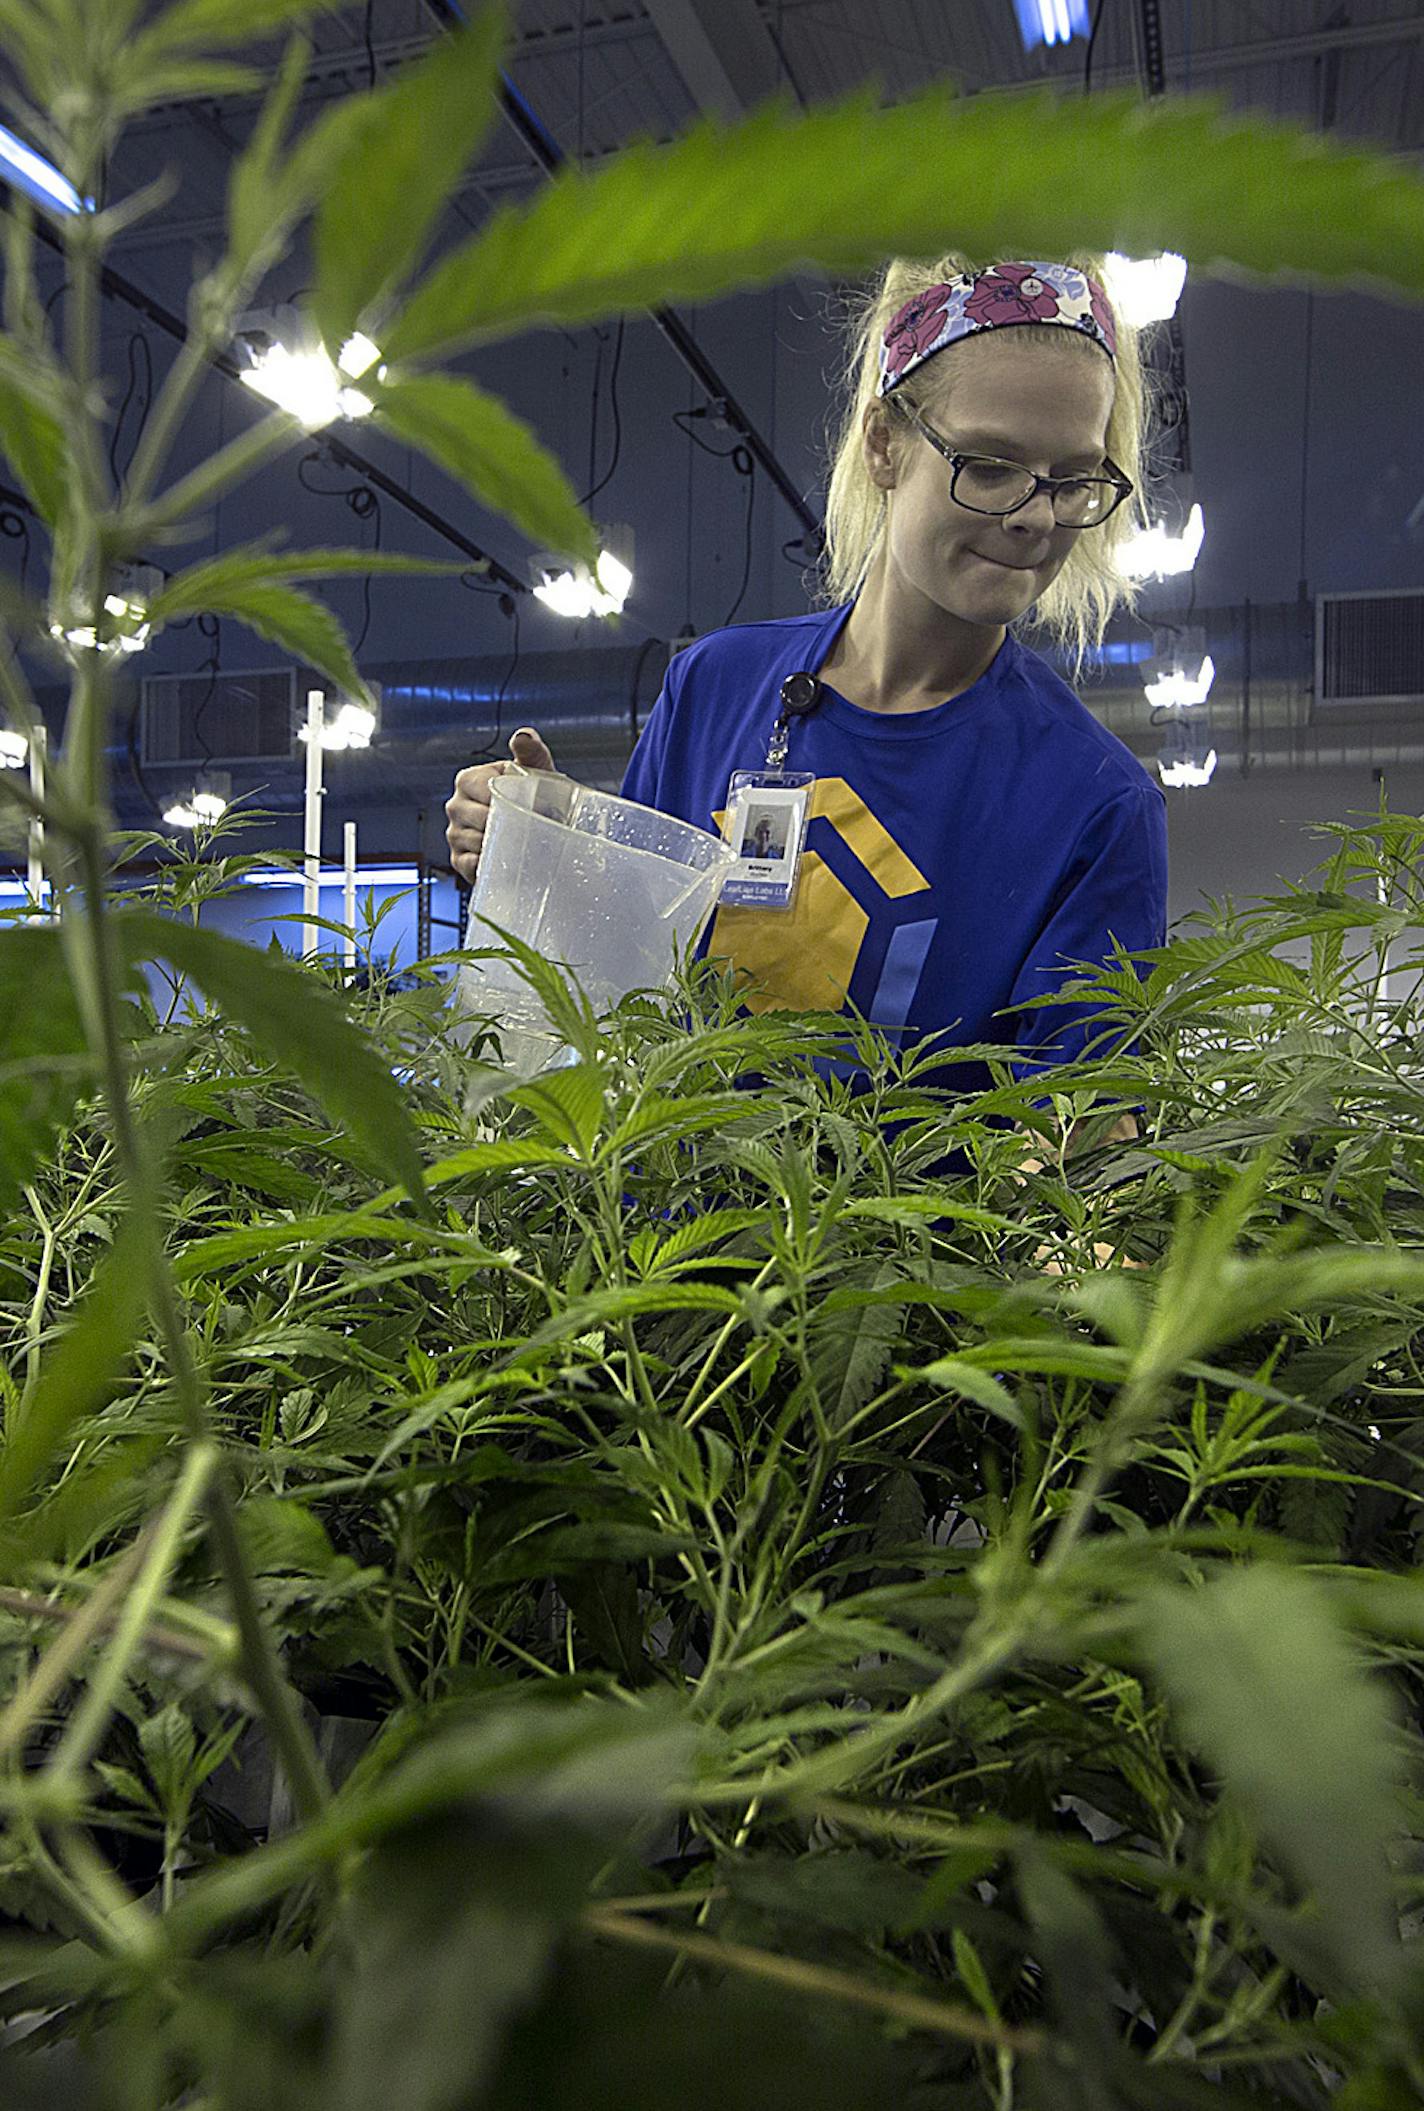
x=597 y=884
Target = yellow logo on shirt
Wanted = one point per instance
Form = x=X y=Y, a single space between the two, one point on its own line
x=804 y=958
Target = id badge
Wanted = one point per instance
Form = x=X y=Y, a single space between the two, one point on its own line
x=767 y=813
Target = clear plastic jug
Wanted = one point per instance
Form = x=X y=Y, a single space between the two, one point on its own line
x=612 y=890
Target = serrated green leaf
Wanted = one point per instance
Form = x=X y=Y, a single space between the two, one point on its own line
x=79 y=1374
x=281 y=1533
x=32 y=429
x=845 y=186
x=697 y=1235
x=569 y=1103
x=956 y=1375
x=208 y=588
x=415 y=139
x=300 y=1020
x=44 y=1064
x=499 y=459
x=1267 y=1682
x=168 y=1745
x=209 y=25
x=301 y=626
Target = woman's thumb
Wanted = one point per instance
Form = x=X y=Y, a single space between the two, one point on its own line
x=529 y=751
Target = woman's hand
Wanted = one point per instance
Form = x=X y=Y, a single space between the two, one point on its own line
x=1123 y=1130
x=468 y=807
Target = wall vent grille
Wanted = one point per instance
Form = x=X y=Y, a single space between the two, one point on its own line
x=1369 y=648
x=241 y=717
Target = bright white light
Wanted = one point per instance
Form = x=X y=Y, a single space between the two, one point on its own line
x=1177 y=688
x=1144 y=289
x=38 y=178
x=352 y=727
x=200 y=810
x=335 y=876
x=1185 y=772
x=576 y=592
x=1155 y=554
x=357 y=356
x=305 y=384
x=14 y=751
x=1051 y=21
x=82 y=637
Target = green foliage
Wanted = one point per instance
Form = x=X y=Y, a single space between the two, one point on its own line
x=634 y=1585
x=845 y=185
x=300 y=1022
x=388 y=188
x=475 y=439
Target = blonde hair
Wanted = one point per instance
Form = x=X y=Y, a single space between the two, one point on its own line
x=1075 y=609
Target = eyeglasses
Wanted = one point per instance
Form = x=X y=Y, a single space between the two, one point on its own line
x=982 y=483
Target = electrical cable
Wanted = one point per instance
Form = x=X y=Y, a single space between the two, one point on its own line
x=370 y=47
x=137 y=342
x=365 y=504
x=605 y=479
x=745 y=465
x=211 y=628
x=15 y=528
x=681 y=418
x=1092 y=41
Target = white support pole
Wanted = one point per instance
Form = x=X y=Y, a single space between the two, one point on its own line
x=311 y=839
x=34 y=877
x=348 y=912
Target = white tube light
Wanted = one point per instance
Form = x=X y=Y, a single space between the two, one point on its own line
x=1154 y=553
x=37 y=178
x=1144 y=289
x=1176 y=689
x=335 y=876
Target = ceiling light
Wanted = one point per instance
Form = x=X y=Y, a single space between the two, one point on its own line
x=198 y=810
x=575 y=591
x=1175 y=688
x=351 y=727
x=1188 y=773
x=1144 y=289
x=14 y=750
x=1051 y=21
x=1154 y=553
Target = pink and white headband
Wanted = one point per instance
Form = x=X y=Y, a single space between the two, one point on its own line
x=996 y=299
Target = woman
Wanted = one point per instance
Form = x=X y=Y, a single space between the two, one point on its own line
x=971 y=826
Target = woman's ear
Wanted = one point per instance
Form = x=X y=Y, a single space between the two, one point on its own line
x=877 y=437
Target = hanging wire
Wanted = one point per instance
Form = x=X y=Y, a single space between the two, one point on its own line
x=1092 y=41
x=136 y=387
x=365 y=504
x=370 y=47
x=15 y=528
x=605 y=479
x=745 y=466
x=211 y=629
x=509 y=607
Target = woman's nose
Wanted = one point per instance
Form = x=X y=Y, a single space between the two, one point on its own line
x=1034 y=516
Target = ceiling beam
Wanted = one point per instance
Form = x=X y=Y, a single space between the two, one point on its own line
x=723 y=50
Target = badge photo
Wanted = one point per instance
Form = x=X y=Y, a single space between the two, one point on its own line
x=766 y=827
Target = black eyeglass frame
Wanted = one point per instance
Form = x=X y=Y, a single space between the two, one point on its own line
x=1116 y=480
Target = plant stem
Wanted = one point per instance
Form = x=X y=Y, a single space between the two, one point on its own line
x=87 y=1724
x=310 y=1790
x=945 y=2017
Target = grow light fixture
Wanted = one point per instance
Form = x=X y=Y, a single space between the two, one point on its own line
x=124 y=626
x=37 y=178
x=351 y=727
x=1176 y=689
x=198 y=810
x=1185 y=759
x=575 y=591
x=1051 y=21
x=1155 y=553
x=299 y=376
x=1144 y=289
x=14 y=750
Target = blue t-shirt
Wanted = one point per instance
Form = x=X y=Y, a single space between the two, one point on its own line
x=956 y=858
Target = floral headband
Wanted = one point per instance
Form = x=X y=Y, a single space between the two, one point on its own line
x=1002 y=296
